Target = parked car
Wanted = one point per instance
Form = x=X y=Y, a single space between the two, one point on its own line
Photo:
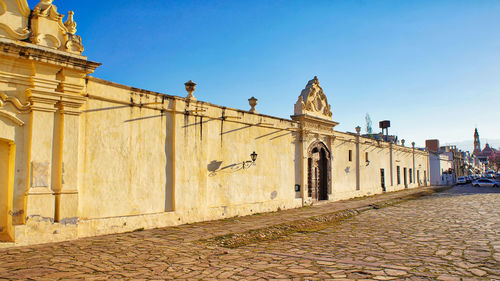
x=461 y=180
x=486 y=182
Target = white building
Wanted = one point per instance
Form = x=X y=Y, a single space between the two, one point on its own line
x=441 y=169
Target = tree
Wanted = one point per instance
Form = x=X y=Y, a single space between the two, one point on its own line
x=369 y=129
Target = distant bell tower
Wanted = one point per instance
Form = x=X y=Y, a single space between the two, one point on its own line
x=477 y=144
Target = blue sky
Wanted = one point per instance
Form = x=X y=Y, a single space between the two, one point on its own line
x=431 y=67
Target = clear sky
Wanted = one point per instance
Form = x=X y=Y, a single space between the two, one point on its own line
x=431 y=67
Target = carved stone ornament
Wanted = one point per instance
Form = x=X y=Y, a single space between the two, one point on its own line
x=312 y=101
x=70 y=23
x=14 y=16
x=16 y=105
x=49 y=30
x=15 y=102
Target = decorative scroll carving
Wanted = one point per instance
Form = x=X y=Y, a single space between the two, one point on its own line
x=18 y=106
x=14 y=19
x=22 y=34
x=313 y=101
x=74 y=44
x=12 y=118
x=15 y=102
x=3 y=7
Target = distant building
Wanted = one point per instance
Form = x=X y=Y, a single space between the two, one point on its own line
x=487 y=153
x=446 y=163
x=477 y=143
x=441 y=169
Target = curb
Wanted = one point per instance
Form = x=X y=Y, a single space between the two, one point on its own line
x=311 y=224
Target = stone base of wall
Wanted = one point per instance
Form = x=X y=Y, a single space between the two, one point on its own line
x=39 y=230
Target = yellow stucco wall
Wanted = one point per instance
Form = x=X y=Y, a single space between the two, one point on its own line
x=128 y=160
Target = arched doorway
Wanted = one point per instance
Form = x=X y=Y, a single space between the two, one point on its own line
x=318 y=172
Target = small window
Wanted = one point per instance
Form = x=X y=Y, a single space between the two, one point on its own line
x=366 y=157
x=350 y=155
x=411 y=176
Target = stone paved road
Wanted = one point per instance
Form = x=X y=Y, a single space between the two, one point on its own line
x=453 y=235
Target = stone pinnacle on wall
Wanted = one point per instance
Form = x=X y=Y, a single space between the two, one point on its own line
x=190 y=87
x=253 y=102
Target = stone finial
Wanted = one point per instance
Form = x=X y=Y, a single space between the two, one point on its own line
x=70 y=23
x=190 y=87
x=253 y=102
x=358 y=130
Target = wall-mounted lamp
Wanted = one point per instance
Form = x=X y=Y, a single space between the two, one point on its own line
x=247 y=164
x=253 y=156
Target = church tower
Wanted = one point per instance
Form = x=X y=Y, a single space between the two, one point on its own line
x=477 y=144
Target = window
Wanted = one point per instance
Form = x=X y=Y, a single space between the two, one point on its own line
x=411 y=176
x=350 y=155
x=398 y=172
x=382 y=179
x=366 y=157
x=405 y=177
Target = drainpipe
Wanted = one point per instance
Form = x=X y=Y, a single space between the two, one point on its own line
x=413 y=171
x=358 y=130
x=303 y=167
x=390 y=164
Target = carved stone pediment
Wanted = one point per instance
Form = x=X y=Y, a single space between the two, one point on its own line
x=312 y=101
x=49 y=30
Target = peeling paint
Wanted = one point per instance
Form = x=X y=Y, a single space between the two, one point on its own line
x=69 y=221
x=38 y=218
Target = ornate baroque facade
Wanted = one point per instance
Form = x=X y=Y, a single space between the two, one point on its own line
x=80 y=156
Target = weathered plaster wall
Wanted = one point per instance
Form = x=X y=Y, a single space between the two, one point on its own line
x=145 y=153
x=123 y=163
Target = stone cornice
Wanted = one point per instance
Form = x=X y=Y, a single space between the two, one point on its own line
x=23 y=50
x=314 y=119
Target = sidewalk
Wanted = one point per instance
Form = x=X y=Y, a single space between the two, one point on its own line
x=239 y=225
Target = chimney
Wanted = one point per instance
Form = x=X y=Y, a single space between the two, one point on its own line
x=432 y=145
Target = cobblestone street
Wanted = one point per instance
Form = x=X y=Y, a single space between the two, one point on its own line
x=453 y=235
